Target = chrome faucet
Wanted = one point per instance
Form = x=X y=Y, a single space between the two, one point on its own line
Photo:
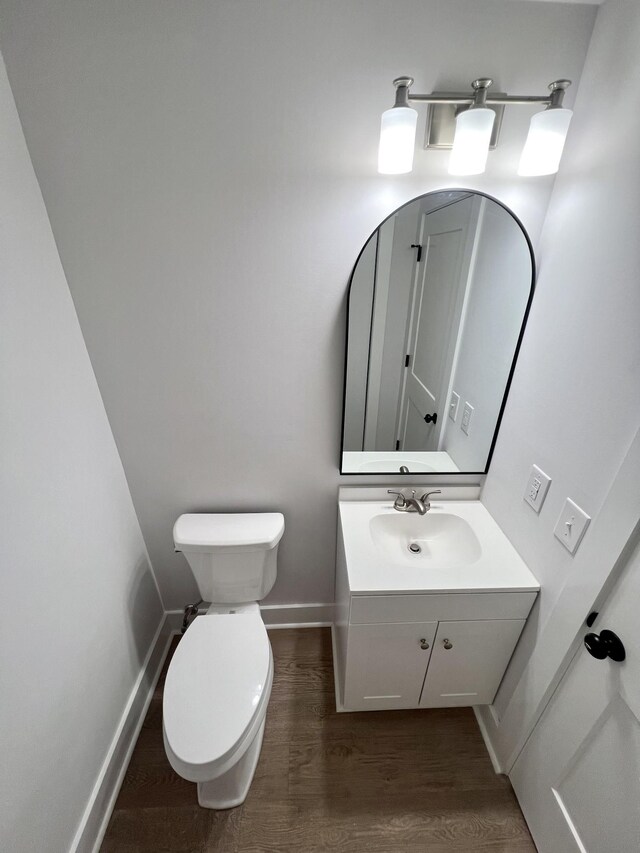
x=421 y=505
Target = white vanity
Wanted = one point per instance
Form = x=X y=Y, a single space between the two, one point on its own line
x=428 y=608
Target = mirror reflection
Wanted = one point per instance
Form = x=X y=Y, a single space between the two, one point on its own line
x=437 y=302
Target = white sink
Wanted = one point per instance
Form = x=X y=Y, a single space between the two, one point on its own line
x=378 y=461
x=460 y=548
x=436 y=539
x=393 y=465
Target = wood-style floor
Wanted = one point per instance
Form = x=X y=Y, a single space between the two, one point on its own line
x=380 y=782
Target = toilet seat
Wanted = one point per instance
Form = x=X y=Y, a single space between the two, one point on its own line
x=216 y=693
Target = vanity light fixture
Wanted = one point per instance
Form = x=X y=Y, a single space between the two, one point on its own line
x=473 y=134
x=469 y=124
x=547 y=133
x=398 y=133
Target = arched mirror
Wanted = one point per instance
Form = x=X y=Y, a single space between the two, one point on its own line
x=438 y=300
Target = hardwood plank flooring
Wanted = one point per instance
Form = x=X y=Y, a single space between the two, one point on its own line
x=380 y=782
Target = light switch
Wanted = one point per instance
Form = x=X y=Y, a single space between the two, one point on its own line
x=467 y=412
x=453 y=406
x=537 y=487
x=571 y=525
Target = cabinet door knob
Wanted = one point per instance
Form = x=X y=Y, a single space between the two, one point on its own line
x=424 y=644
x=447 y=644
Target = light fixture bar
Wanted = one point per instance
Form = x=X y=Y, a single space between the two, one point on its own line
x=399 y=123
x=557 y=88
x=462 y=98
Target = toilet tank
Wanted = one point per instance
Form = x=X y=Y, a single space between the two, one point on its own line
x=233 y=556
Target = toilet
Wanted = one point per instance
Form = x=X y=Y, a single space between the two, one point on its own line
x=219 y=680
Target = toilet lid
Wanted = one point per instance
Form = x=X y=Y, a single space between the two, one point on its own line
x=215 y=686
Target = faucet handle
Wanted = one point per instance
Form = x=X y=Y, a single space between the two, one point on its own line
x=427 y=495
x=400 y=499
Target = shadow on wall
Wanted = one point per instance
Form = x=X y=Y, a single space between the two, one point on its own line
x=524 y=647
x=145 y=611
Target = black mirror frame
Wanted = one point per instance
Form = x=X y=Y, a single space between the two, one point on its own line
x=515 y=354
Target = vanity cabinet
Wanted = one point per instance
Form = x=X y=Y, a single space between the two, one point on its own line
x=410 y=634
x=427 y=664
x=423 y=650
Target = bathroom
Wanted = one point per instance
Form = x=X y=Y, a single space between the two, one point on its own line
x=186 y=187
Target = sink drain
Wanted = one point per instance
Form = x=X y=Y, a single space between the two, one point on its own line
x=415 y=548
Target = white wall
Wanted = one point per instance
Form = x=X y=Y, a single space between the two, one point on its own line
x=574 y=406
x=210 y=174
x=80 y=605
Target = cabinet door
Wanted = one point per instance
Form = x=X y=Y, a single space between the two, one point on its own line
x=386 y=665
x=468 y=662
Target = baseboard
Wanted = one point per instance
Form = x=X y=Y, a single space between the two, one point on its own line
x=96 y=816
x=297 y=615
x=278 y=616
x=486 y=717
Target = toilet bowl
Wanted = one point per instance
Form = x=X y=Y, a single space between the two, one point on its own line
x=215 y=703
x=219 y=680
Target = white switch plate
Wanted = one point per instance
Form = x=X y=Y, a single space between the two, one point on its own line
x=467 y=412
x=571 y=525
x=537 y=488
x=453 y=406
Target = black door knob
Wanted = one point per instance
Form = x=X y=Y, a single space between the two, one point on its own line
x=431 y=419
x=606 y=644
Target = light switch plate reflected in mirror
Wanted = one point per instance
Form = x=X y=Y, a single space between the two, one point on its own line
x=571 y=525
x=467 y=414
x=453 y=406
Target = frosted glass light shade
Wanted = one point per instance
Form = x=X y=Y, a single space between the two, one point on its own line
x=397 y=140
x=543 y=149
x=471 y=141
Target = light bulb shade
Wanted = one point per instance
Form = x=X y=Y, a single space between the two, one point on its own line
x=471 y=141
x=397 y=140
x=543 y=149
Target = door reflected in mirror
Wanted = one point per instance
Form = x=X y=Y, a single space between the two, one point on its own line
x=437 y=304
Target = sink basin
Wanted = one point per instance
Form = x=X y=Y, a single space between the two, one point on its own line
x=394 y=465
x=443 y=540
x=379 y=462
x=457 y=547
